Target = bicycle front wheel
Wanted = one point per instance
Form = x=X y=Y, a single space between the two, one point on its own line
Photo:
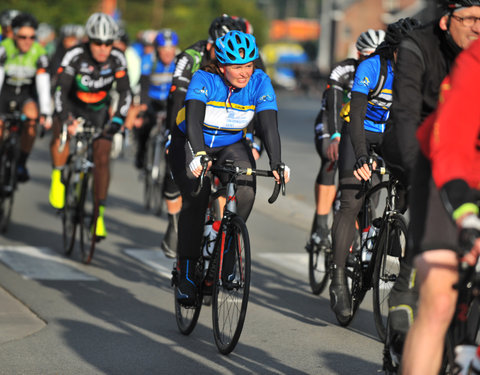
x=232 y=285
x=392 y=242
x=69 y=212
x=9 y=181
x=319 y=263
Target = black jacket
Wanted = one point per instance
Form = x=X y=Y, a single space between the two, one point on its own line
x=424 y=58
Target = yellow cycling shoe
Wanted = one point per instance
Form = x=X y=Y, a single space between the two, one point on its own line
x=100 y=230
x=57 y=190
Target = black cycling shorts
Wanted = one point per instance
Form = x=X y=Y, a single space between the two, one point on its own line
x=431 y=227
x=326 y=174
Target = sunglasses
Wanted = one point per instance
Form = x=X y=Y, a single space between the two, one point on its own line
x=99 y=42
x=23 y=37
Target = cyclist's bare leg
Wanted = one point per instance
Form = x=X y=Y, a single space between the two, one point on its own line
x=30 y=109
x=59 y=159
x=325 y=195
x=174 y=205
x=437 y=273
x=101 y=175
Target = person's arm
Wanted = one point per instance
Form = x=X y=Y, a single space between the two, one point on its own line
x=3 y=57
x=180 y=81
x=268 y=123
x=406 y=110
x=358 y=110
x=194 y=117
x=42 y=85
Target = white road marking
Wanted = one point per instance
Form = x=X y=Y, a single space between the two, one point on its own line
x=42 y=263
x=154 y=259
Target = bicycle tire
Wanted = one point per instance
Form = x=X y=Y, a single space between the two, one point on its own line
x=9 y=182
x=84 y=215
x=393 y=238
x=187 y=317
x=158 y=183
x=69 y=212
x=320 y=260
x=232 y=285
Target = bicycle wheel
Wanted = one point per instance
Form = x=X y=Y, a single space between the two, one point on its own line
x=391 y=246
x=9 y=181
x=69 y=212
x=85 y=219
x=320 y=260
x=186 y=317
x=232 y=285
x=158 y=178
x=148 y=178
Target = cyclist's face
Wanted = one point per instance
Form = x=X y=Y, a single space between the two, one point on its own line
x=238 y=75
x=166 y=54
x=462 y=35
x=24 y=38
x=100 y=51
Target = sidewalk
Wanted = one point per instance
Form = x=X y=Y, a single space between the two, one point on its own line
x=16 y=320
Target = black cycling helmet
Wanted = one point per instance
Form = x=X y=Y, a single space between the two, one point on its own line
x=7 y=16
x=396 y=31
x=222 y=25
x=451 y=5
x=24 y=20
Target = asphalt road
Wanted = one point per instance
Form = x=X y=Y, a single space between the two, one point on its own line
x=115 y=316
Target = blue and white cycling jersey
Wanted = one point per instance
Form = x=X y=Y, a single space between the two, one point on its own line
x=228 y=110
x=160 y=76
x=378 y=108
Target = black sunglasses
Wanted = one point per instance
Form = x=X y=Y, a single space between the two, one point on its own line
x=99 y=42
x=23 y=37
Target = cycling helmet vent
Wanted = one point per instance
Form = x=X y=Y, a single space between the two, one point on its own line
x=102 y=27
x=236 y=47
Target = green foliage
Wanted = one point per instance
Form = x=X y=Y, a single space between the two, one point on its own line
x=189 y=18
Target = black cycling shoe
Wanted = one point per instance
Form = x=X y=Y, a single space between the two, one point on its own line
x=340 y=295
x=228 y=269
x=22 y=174
x=186 y=287
x=140 y=160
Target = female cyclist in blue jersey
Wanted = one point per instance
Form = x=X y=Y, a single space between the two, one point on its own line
x=221 y=101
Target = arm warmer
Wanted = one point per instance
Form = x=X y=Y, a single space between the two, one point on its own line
x=358 y=110
x=268 y=124
x=334 y=106
x=195 y=114
x=42 y=84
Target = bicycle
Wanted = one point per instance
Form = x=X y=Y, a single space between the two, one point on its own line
x=229 y=294
x=380 y=267
x=9 y=152
x=155 y=166
x=79 y=211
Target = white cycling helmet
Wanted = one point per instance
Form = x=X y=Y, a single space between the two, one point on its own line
x=369 y=40
x=101 y=26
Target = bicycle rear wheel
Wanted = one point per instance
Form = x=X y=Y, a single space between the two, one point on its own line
x=69 y=212
x=232 y=285
x=320 y=260
x=9 y=182
x=392 y=242
x=154 y=176
x=85 y=217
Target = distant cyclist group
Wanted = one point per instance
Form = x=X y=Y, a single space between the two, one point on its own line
x=407 y=102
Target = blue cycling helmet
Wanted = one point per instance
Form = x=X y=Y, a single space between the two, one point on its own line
x=228 y=48
x=166 y=38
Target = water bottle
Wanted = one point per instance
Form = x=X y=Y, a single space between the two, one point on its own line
x=369 y=235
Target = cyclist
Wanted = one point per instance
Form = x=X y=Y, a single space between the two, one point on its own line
x=25 y=80
x=88 y=72
x=445 y=188
x=195 y=57
x=6 y=18
x=327 y=132
x=220 y=102
x=369 y=110
x=155 y=83
x=425 y=57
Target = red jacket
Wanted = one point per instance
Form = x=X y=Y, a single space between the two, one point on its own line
x=450 y=137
